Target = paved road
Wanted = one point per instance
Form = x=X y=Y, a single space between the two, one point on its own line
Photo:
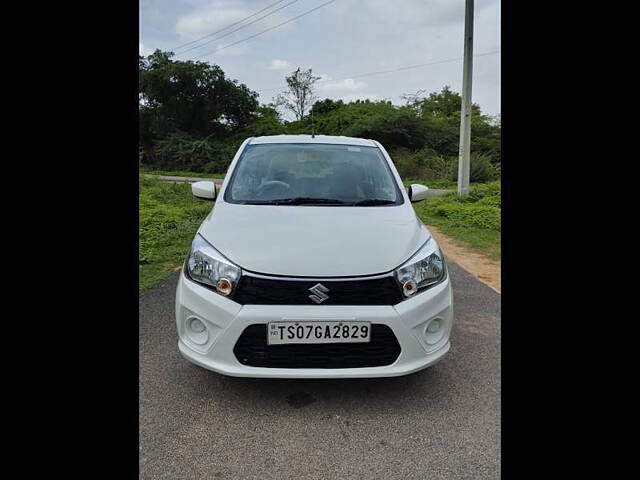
x=442 y=422
x=432 y=192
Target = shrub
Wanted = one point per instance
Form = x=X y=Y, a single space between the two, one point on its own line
x=492 y=201
x=484 y=190
x=479 y=209
x=182 y=152
x=429 y=165
x=471 y=215
x=424 y=164
x=480 y=169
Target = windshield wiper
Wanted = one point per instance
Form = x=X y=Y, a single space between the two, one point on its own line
x=299 y=201
x=307 y=201
x=321 y=201
x=373 y=201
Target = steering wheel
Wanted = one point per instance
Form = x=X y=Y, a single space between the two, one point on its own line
x=272 y=187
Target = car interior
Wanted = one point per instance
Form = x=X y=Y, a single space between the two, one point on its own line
x=292 y=172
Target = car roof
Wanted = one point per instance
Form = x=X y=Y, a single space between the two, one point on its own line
x=339 y=140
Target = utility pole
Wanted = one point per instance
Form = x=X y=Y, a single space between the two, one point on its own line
x=465 y=115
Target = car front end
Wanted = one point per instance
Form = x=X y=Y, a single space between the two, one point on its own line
x=314 y=290
x=228 y=337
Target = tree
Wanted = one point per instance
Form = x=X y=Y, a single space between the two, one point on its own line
x=300 y=95
x=413 y=98
x=326 y=106
x=445 y=103
x=266 y=122
x=191 y=97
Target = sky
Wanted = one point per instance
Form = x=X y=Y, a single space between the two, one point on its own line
x=341 y=42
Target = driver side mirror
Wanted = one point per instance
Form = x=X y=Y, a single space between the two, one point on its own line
x=417 y=192
x=205 y=190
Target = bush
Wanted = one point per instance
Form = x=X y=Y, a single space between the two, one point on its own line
x=478 y=192
x=479 y=209
x=471 y=215
x=429 y=165
x=492 y=201
x=480 y=170
x=424 y=164
x=182 y=152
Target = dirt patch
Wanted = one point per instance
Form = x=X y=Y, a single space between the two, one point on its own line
x=481 y=267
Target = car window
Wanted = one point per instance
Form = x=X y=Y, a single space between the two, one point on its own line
x=322 y=174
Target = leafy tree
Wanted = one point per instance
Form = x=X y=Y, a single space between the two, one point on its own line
x=266 y=121
x=380 y=120
x=325 y=106
x=441 y=114
x=300 y=95
x=192 y=97
x=445 y=103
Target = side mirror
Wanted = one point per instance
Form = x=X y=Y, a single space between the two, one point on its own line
x=206 y=190
x=417 y=192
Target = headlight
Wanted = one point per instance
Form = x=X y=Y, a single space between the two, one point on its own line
x=425 y=269
x=206 y=265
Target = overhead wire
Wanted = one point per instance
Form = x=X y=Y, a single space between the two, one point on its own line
x=266 y=30
x=237 y=29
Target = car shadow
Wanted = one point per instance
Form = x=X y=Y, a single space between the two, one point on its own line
x=431 y=385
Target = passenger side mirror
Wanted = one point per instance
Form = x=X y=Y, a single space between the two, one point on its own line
x=205 y=190
x=417 y=192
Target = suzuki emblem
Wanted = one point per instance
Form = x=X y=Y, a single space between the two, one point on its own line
x=319 y=292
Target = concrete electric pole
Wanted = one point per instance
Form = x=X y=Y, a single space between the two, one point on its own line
x=465 y=116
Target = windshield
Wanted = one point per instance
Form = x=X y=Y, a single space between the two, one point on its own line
x=312 y=174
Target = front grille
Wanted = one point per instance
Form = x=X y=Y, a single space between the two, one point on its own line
x=252 y=350
x=274 y=291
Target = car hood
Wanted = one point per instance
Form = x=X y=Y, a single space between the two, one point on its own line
x=313 y=241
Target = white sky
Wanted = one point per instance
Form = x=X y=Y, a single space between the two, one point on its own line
x=339 y=41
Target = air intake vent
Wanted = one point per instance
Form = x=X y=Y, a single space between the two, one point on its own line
x=252 y=350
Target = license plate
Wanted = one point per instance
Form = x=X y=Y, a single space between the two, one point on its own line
x=325 y=331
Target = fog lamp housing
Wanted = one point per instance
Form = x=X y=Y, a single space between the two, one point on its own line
x=196 y=331
x=434 y=331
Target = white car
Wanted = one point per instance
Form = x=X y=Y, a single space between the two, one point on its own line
x=313 y=264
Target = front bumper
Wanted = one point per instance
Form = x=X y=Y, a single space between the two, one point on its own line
x=226 y=320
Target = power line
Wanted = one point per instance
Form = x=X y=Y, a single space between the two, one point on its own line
x=417 y=66
x=409 y=67
x=228 y=26
x=239 y=28
x=268 y=29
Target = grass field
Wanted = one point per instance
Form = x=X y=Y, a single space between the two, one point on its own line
x=170 y=216
x=473 y=220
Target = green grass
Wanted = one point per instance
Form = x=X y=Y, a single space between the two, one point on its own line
x=169 y=218
x=474 y=220
x=181 y=173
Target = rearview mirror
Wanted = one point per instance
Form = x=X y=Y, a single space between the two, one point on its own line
x=417 y=192
x=205 y=190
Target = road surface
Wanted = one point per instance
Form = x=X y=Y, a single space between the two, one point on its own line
x=440 y=423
